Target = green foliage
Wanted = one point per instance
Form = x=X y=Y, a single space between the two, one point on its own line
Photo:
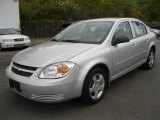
x=57 y=10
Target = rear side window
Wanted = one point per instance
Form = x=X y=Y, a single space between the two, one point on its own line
x=139 y=28
x=144 y=28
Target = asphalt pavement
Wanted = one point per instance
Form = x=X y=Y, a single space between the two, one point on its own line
x=135 y=96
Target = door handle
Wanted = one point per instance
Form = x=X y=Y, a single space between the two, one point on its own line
x=147 y=41
x=133 y=45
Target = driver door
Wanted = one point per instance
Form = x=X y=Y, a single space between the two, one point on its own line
x=122 y=53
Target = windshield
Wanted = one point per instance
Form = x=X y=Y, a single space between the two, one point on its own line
x=86 y=32
x=7 y=31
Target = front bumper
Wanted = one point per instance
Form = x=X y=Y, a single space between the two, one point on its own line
x=47 y=90
x=15 y=44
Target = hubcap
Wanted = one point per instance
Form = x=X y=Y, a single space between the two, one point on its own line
x=96 y=87
x=151 y=59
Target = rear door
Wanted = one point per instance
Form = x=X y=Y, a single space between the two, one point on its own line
x=140 y=42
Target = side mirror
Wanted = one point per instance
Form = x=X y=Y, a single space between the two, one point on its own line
x=119 y=38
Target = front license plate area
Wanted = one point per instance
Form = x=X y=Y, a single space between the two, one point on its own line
x=14 y=85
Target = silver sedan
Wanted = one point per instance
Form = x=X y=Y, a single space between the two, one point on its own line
x=82 y=60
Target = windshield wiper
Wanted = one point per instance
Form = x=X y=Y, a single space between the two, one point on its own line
x=12 y=33
x=57 y=40
x=74 y=41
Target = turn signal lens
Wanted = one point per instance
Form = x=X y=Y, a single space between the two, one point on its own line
x=57 y=70
x=63 y=69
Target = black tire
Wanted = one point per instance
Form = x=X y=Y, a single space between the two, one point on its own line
x=1 y=47
x=25 y=47
x=150 y=60
x=87 y=95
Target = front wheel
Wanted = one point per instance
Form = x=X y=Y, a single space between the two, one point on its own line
x=0 y=47
x=150 y=60
x=94 y=86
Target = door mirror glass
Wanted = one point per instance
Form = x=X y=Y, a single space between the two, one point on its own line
x=119 y=37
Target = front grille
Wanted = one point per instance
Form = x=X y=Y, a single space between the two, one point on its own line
x=24 y=67
x=22 y=73
x=19 y=45
x=18 y=39
x=23 y=70
x=14 y=85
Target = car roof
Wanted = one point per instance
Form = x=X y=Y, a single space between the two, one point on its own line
x=111 y=19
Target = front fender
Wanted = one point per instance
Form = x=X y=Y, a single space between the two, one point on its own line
x=89 y=59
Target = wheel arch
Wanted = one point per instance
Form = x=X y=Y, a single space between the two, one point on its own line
x=153 y=47
x=105 y=68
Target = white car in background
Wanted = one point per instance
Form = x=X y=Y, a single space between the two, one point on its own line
x=10 y=38
x=156 y=31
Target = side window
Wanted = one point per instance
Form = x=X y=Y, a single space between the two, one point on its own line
x=139 y=29
x=125 y=30
x=144 y=29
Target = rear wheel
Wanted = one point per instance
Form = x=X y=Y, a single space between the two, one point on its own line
x=94 y=86
x=150 y=60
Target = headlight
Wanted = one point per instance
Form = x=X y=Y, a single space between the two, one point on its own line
x=27 y=38
x=57 y=70
x=7 y=40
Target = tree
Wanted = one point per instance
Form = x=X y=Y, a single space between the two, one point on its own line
x=56 y=10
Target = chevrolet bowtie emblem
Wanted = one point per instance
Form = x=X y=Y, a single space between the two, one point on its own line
x=19 y=69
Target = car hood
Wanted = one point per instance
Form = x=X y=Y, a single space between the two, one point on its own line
x=13 y=36
x=50 y=52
